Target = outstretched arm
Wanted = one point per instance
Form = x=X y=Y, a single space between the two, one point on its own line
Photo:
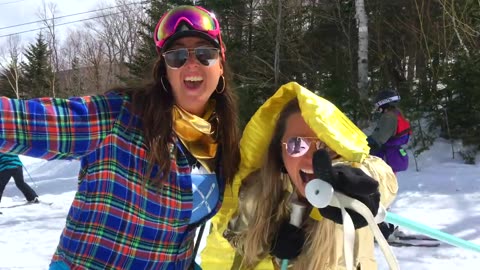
x=52 y=128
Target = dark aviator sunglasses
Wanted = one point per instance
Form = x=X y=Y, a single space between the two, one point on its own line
x=176 y=58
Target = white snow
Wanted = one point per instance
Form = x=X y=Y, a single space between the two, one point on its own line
x=444 y=194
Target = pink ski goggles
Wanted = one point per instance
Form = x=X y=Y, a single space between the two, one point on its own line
x=198 y=18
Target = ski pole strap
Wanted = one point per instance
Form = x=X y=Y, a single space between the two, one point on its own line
x=348 y=233
x=434 y=233
x=342 y=201
x=197 y=245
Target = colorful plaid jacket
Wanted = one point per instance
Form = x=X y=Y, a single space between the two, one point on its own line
x=115 y=221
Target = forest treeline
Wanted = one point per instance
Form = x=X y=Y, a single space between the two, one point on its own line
x=426 y=49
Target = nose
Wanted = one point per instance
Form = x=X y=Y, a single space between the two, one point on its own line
x=309 y=155
x=192 y=59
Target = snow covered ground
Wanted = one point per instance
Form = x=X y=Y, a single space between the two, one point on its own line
x=444 y=194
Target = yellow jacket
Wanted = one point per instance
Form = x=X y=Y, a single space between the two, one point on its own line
x=332 y=127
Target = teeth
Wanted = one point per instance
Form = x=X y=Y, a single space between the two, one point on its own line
x=194 y=79
x=307 y=171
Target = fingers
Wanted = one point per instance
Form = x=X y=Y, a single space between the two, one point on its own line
x=354 y=180
x=322 y=166
x=346 y=179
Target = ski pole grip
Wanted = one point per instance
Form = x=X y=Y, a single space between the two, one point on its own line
x=296 y=216
x=319 y=193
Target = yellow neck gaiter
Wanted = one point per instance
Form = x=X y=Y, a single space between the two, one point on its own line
x=197 y=134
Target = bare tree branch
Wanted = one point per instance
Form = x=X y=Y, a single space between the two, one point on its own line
x=47 y=14
x=10 y=63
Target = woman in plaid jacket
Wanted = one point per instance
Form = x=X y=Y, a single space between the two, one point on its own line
x=139 y=201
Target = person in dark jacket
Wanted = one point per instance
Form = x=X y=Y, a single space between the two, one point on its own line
x=392 y=131
x=11 y=166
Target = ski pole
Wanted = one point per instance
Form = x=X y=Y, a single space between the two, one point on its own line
x=29 y=176
x=409 y=224
x=321 y=194
x=431 y=232
x=296 y=217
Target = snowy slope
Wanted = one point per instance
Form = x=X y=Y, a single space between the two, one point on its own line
x=444 y=194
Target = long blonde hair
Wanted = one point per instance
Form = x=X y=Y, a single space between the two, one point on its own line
x=271 y=207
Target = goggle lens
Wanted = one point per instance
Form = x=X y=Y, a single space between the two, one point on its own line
x=177 y=58
x=198 y=18
x=299 y=146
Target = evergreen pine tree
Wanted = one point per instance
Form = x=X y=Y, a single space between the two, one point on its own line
x=4 y=85
x=37 y=72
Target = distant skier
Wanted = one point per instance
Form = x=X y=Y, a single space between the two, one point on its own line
x=391 y=133
x=11 y=166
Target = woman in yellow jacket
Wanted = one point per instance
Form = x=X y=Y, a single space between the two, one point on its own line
x=277 y=148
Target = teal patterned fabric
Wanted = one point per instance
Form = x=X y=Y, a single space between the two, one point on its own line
x=8 y=161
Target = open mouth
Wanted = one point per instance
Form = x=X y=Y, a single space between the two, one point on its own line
x=193 y=81
x=306 y=176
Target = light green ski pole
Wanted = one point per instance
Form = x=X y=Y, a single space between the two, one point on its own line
x=433 y=233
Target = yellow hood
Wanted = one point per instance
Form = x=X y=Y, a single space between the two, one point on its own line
x=324 y=118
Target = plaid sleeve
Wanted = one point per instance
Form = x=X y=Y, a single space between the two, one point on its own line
x=52 y=128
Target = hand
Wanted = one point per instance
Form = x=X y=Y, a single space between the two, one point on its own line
x=288 y=241
x=374 y=146
x=350 y=181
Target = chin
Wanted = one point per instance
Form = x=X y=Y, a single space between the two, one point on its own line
x=300 y=189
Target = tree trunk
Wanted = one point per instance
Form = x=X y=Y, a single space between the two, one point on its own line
x=362 y=24
x=278 y=40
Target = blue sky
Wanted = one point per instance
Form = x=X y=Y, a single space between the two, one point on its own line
x=13 y=12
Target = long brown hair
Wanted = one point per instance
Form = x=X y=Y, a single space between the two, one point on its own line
x=271 y=208
x=154 y=102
